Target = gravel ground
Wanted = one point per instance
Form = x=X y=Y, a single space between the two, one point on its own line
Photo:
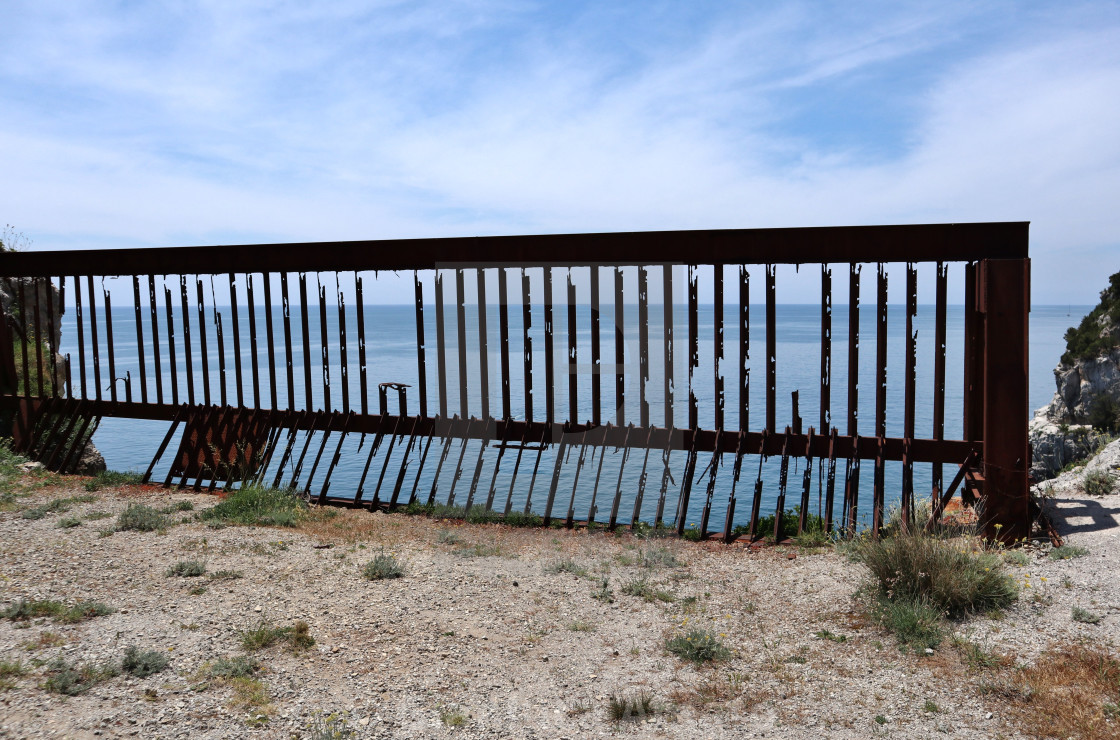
x=483 y=638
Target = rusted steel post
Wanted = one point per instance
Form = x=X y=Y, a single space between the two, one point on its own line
x=1004 y=305
x=236 y=339
x=109 y=345
x=154 y=317
x=939 y=349
x=38 y=340
x=139 y=313
x=461 y=340
x=910 y=391
x=826 y=349
x=881 y=353
x=174 y=367
x=642 y=478
x=305 y=331
x=667 y=299
x=717 y=335
x=771 y=350
x=92 y=333
x=483 y=346
x=596 y=365
x=643 y=347
x=744 y=349
x=81 y=334
x=441 y=348
x=619 y=351
x=549 y=361
x=251 y=306
x=853 y=349
x=421 y=364
x=729 y=517
x=221 y=357
x=343 y=364
x=204 y=355
x=527 y=343
x=573 y=356
x=503 y=341
x=324 y=352
x=974 y=342
x=693 y=352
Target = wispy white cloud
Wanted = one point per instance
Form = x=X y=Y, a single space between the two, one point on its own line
x=213 y=122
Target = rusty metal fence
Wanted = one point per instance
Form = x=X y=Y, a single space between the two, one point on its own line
x=270 y=386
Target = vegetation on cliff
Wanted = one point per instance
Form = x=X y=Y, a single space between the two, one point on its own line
x=1099 y=331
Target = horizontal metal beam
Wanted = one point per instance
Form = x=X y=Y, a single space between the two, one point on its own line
x=837 y=244
x=921 y=450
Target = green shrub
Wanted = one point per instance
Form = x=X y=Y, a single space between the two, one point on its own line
x=225 y=575
x=23 y=610
x=143 y=663
x=381 y=567
x=71 y=679
x=790 y=520
x=914 y=620
x=58 y=505
x=622 y=707
x=257 y=506
x=141 y=518
x=1098 y=482
x=266 y=634
x=567 y=566
x=936 y=573
x=84 y=610
x=186 y=569
x=658 y=557
x=1085 y=341
x=1067 y=552
x=1084 y=615
x=642 y=588
x=69 y=522
x=698 y=647
x=239 y=666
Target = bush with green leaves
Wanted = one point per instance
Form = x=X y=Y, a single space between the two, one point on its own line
x=1098 y=482
x=143 y=663
x=22 y=610
x=71 y=679
x=112 y=479
x=186 y=569
x=698 y=646
x=239 y=666
x=258 y=506
x=383 y=566
x=265 y=634
x=141 y=518
x=1087 y=341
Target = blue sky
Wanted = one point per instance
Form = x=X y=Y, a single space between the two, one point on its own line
x=211 y=122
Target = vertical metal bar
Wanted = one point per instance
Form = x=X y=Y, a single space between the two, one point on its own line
x=771 y=349
x=526 y=323
x=204 y=355
x=713 y=467
x=38 y=339
x=783 y=479
x=826 y=349
x=596 y=363
x=497 y=466
x=666 y=476
x=51 y=331
x=569 y=520
x=851 y=487
x=155 y=337
x=853 y=349
x=667 y=305
x=461 y=325
x=830 y=485
x=910 y=382
x=744 y=349
x=309 y=403
x=756 y=499
x=881 y=354
x=555 y=480
x=185 y=318
x=643 y=348
x=221 y=354
x=92 y=336
x=483 y=345
x=573 y=354
x=717 y=336
x=324 y=351
x=549 y=361
x=939 y=348
x=236 y=339
x=693 y=349
x=642 y=478
x=109 y=345
x=81 y=333
x=363 y=381
x=171 y=363
x=441 y=347
x=503 y=329
x=591 y=509
x=806 y=483
x=404 y=463
x=266 y=282
x=252 y=308
x=139 y=338
x=686 y=488
x=619 y=350
x=729 y=517
x=545 y=430
x=344 y=366
x=421 y=363
x=879 y=491
x=618 y=486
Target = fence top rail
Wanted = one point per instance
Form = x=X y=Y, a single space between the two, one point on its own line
x=829 y=244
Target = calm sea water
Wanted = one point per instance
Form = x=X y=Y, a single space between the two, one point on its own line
x=391 y=356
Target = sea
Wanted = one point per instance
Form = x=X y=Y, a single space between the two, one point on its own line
x=392 y=356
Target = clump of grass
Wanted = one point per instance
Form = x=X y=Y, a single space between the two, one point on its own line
x=1016 y=557
x=930 y=707
x=580 y=625
x=832 y=636
x=1084 y=616
x=21 y=610
x=186 y=569
x=622 y=707
x=975 y=655
x=1098 y=482
x=239 y=666
x=58 y=505
x=790 y=520
x=603 y=593
x=1076 y=688
x=447 y=537
x=478 y=550
x=1067 y=552
x=383 y=566
x=265 y=634
x=225 y=575
x=567 y=565
x=71 y=679
x=143 y=663
x=936 y=573
x=452 y=717
x=112 y=479
x=658 y=557
x=69 y=522
x=141 y=518
x=642 y=588
x=914 y=620
x=698 y=646
x=257 y=506
x=328 y=727
x=9 y=671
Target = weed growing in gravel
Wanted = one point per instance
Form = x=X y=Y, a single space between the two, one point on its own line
x=478 y=550
x=10 y=670
x=265 y=634
x=95 y=515
x=71 y=679
x=447 y=537
x=1016 y=557
x=238 y=666
x=930 y=707
x=914 y=621
x=567 y=566
x=383 y=566
x=1084 y=616
x=944 y=575
x=658 y=557
x=603 y=593
x=69 y=522
x=1098 y=482
x=112 y=479
x=56 y=506
x=698 y=647
x=1067 y=552
x=143 y=663
x=827 y=635
x=622 y=707
x=21 y=610
x=257 y=506
x=225 y=575
x=580 y=625
x=186 y=569
x=141 y=518
x=452 y=717
x=642 y=588
x=328 y=727
x=975 y=655
x=1075 y=688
